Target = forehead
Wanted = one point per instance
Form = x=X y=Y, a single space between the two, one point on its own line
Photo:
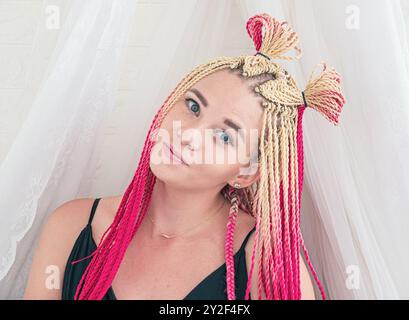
x=229 y=94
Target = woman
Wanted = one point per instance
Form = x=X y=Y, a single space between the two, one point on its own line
x=202 y=211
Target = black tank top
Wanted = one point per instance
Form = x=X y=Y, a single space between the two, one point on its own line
x=212 y=287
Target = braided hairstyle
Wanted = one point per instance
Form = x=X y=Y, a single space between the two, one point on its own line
x=274 y=200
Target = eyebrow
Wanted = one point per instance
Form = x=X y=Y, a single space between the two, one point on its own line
x=228 y=122
x=200 y=96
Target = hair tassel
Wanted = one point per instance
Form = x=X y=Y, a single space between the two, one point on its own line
x=323 y=93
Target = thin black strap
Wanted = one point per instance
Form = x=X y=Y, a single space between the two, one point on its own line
x=94 y=207
x=247 y=238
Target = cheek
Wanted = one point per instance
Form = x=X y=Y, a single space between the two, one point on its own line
x=218 y=172
x=168 y=121
x=218 y=157
x=224 y=158
x=179 y=111
x=177 y=117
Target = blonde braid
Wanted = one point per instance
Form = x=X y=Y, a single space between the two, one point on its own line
x=274 y=200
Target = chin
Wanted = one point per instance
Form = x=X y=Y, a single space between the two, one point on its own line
x=170 y=172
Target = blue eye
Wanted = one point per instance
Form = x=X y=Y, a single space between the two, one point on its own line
x=225 y=137
x=194 y=107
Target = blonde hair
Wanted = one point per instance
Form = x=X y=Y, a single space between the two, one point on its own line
x=274 y=200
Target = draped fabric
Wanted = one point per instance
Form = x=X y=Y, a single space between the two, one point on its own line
x=114 y=64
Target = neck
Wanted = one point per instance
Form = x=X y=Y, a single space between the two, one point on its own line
x=175 y=210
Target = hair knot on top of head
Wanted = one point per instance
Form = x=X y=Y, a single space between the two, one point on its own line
x=278 y=37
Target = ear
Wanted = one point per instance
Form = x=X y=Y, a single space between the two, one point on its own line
x=247 y=175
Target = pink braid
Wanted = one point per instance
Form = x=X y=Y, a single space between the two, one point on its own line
x=229 y=248
x=102 y=269
x=300 y=152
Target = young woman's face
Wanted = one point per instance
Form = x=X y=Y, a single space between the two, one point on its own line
x=213 y=129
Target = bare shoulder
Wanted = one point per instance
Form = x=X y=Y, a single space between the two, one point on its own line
x=56 y=240
x=71 y=215
x=307 y=290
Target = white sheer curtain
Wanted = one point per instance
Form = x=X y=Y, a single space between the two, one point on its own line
x=50 y=157
x=78 y=141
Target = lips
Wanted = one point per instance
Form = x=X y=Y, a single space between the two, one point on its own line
x=175 y=154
